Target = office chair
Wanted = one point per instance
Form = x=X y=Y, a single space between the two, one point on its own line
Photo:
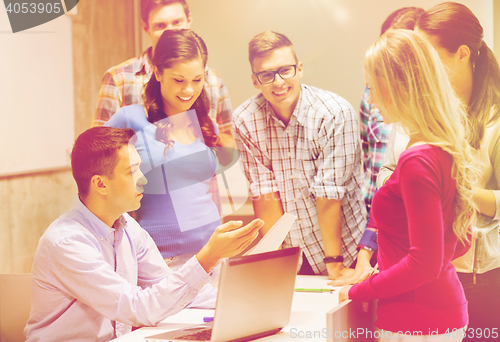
x=15 y=305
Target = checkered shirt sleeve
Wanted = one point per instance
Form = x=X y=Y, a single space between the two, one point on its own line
x=338 y=153
x=220 y=104
x=256 y=164
x=364 y=115
x=374 y=137
x=122 y=85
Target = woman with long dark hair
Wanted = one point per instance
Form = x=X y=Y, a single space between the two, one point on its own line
x=175 y=137
x=457 y=36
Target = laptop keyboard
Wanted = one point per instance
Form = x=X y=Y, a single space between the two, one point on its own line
x=197 y=336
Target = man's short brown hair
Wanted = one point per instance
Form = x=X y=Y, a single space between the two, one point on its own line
x=95 y=152
x=148 y=5
x=266 y=42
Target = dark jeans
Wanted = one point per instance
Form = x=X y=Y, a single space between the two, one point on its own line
x=484 y=304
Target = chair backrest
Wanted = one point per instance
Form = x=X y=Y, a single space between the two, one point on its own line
x=15 y=305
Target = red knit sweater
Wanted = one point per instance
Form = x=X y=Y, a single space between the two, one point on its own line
x=417 y=287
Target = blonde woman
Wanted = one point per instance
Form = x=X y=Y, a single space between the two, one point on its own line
x=456 y=34
x=423 y=211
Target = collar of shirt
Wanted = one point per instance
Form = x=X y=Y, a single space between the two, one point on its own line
x=303 y=105
x=98 y=228
x=299 y=113
x=144 y=64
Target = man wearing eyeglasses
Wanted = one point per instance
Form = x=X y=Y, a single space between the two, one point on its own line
x=300 y=152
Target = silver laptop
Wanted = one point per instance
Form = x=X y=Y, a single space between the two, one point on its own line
x=254 y=299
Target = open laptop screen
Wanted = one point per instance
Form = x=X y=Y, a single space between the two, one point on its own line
x=255 y=297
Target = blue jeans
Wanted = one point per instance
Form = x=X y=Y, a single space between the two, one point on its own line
x=484 y=304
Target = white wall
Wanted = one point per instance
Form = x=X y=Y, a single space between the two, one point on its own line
x=36 y=96
x=330 y=36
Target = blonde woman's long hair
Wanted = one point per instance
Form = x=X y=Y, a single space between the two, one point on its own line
x=423 y=101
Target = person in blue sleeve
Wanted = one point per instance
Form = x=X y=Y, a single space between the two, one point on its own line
x=176 y=140
x=374 y=139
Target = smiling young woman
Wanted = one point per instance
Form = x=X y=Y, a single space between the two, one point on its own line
x=175 y=135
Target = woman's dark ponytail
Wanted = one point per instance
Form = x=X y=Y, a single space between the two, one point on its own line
x=455 y=25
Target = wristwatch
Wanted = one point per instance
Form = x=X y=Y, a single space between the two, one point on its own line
x=328 y=260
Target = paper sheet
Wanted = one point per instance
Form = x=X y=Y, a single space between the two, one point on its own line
x=275 y=236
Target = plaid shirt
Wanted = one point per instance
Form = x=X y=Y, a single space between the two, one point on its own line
x=374 y=138
x=123 y=85
x=317 y=155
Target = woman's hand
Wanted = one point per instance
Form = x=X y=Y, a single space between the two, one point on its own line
x=344 y=293
x=367 y=273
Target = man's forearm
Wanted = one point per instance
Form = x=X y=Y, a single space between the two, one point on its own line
x=330 y=223
x=268 y=208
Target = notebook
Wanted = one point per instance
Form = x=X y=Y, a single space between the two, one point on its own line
x=254 y=299
x=275 y=236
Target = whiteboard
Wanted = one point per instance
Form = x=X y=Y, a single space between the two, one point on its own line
x=36 y=96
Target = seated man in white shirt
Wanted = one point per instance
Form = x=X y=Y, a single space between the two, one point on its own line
x=96 y=272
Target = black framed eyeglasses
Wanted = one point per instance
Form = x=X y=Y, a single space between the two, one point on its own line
x=285 y=72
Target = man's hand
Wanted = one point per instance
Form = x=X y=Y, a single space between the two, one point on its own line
x=345 y=278
x=336 y=270
x=228 y=240
x=358 y=274
x=349 y=278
